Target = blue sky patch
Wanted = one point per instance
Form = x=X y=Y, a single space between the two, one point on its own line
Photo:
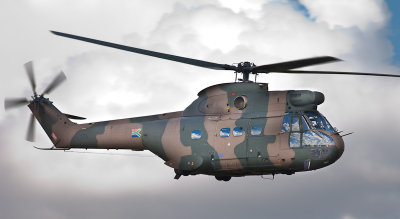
x=394 y=29
x=298 y=6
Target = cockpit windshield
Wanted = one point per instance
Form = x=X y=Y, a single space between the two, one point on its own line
x=318 y=121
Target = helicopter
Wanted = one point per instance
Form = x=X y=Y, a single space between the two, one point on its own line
x=231 y=130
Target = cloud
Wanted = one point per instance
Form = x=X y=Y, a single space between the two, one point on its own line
x=107 y=84
x=365 y=15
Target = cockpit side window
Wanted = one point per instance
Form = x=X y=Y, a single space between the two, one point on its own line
x=295 y=124
x=286 y=124
x=294 y=141
x=316 y=138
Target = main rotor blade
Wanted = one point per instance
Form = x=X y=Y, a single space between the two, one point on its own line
x=283 y=66
x=14 y=102
x=30 y=133
x=31 y=75
x=57 y=81
x=336 y=73
x=185 y=60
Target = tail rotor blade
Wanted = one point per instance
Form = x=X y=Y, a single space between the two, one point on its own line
x=14 y=102
x=31 y=75
x=57 y=81
x=30 y=134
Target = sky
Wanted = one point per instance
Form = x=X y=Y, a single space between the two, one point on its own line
x=106 y=84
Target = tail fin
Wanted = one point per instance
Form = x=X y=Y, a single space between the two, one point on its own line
x=56 y=124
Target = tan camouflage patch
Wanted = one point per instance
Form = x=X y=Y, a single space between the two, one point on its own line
x=172 y=145
x=286 y=154
x=276 y=110
x=118 y=135
x=216 y=102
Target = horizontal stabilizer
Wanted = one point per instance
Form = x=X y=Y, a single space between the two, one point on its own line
x=74 y=117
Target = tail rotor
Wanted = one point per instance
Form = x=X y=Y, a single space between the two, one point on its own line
x=10 y=103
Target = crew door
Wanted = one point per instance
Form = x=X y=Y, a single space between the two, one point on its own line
x=257 y=144
x=291 y=136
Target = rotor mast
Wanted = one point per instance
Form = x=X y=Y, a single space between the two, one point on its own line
x=246 y=68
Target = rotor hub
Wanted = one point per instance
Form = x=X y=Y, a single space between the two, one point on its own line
x=245 y=68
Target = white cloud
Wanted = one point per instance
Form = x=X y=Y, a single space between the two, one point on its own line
x=365 y=15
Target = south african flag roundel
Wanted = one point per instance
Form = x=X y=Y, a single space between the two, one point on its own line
x=136 y=133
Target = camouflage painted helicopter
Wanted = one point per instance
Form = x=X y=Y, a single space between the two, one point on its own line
x=230 y=130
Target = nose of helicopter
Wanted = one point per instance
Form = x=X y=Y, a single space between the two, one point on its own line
x=339 y=144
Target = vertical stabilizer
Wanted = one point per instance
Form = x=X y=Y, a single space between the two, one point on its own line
x=56 y=125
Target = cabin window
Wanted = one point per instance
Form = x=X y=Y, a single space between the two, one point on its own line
x=294 y=139
x=224 y=132
x=196 y=134
x=237 y=131
x=256 y=130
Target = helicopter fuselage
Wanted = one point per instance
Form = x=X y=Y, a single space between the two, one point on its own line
x=232 y=129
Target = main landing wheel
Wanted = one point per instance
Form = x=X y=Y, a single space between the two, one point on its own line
x=223 y=178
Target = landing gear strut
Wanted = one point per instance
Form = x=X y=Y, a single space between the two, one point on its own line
x=179 y=173
x=223 y=178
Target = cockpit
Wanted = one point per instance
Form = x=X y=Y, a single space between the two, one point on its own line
x=305 y=121
x=305 y=129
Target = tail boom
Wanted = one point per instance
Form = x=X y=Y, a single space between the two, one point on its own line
x=117 y=134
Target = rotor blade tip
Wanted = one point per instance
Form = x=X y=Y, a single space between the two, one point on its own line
x=333 y=59
x=337 y=59
x=56 y=33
